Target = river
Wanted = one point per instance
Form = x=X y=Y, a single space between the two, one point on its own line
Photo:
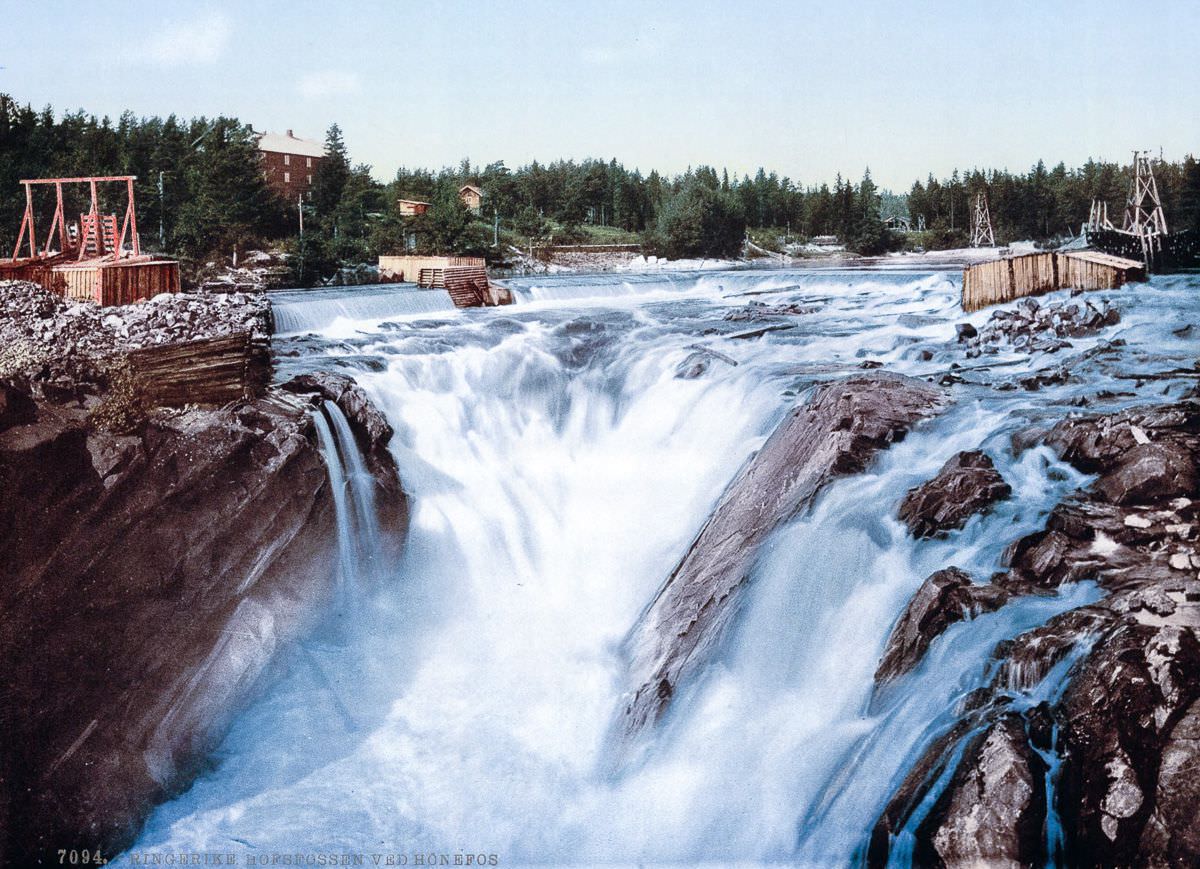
x=558 y=468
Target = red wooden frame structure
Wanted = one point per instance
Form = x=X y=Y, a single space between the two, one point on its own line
x=91 y=225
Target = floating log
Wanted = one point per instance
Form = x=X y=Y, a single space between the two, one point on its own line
x=209 y=371
x=1035 y=274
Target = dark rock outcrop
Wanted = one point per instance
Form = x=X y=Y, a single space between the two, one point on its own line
x=1121 y=714
x=993 y=809
x=1173 y=830
x=372 y=430
x=147 y=584
x=946 y=597
x=967 y=484
x=837 y=432
x=1150 y=472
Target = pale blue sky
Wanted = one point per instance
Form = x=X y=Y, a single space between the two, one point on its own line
x=807 y=89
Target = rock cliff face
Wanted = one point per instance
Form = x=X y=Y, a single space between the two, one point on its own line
x=838 y=432
x=149 y=580
x=1123 y=725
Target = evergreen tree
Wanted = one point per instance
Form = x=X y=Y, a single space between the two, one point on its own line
x=332 y=174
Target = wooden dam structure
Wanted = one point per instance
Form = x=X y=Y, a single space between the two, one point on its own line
x=464 y=278
x=1013 y=277
x=97 y=258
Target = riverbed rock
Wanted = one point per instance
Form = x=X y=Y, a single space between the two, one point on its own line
x=967 y=484
x=1150 y=472
x=995 y=804
x=1112 y=689
x=148 y=584
x=839 y=431
x=1031 y=327
x=370 y=426
x=946 y=597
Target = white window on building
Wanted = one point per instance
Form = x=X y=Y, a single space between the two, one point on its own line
x=287 y=159
x=287 y=177
x=309 y=159
x=310 y=179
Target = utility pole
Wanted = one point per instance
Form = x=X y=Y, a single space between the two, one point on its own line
x=300 y=208
x=981 y=223
x=162 y=227
x=495 y=228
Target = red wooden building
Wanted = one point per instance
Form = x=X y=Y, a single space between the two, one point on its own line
x=290 y=163
x=472 y=197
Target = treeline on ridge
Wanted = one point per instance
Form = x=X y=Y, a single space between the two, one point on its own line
x=201 y=194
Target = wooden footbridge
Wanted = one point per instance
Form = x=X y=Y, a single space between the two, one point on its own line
x=1012 y=277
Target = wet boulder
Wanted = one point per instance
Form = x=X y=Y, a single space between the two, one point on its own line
x=1095 y=444
x=967 y=484
x=371 y=428
x=1120 y=714
x=946 y=597
x=1150 y=472
x=993 y=810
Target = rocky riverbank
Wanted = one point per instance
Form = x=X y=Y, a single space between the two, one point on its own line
x=1098 y=708
x=151 y=577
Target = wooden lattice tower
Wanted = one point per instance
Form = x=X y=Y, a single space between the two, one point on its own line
x=1143 y=212
x=981 y=223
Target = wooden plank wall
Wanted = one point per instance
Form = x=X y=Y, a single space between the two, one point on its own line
x=407 y=268
x=210 y=371
x=116 y=284
x=1011 y=278
x=124 y=284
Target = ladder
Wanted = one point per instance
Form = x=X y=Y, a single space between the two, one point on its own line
x=99 y=234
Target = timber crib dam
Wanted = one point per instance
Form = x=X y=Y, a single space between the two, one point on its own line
x=1011 y=278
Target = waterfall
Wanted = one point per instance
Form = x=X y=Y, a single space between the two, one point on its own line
x=354 y=505
x=318 y=310
x=558 y=469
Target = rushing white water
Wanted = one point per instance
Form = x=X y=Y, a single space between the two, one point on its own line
x=353 y=490
x=558 y=469
x=315 y=310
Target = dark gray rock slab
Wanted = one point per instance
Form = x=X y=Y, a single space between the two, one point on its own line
x=838 y=432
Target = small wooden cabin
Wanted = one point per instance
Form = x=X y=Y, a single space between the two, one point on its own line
x=412 y=207
x=472 y=197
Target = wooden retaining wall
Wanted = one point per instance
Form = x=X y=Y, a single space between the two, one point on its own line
x=408 y=268
x=115 y=283
x=209 y=371
x=1004 y=280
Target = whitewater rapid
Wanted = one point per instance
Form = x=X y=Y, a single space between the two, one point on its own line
x=558 y=468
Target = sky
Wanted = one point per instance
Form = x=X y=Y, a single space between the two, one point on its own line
x=806 y=89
